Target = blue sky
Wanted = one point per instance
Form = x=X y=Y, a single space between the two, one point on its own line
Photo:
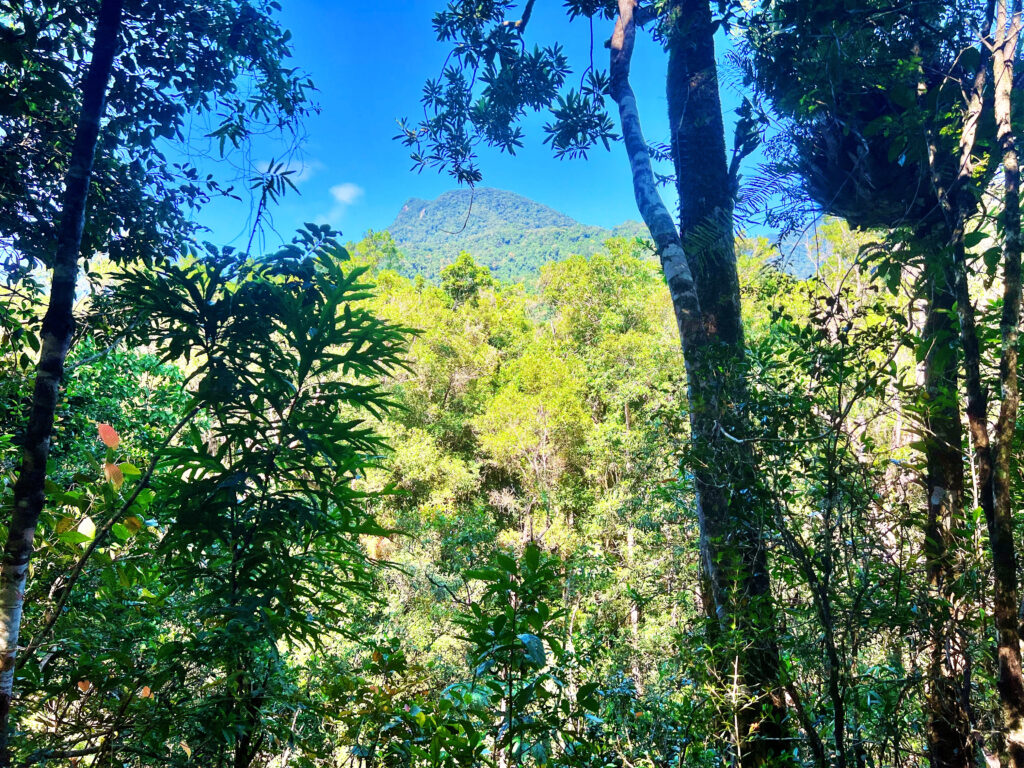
x=369 y=62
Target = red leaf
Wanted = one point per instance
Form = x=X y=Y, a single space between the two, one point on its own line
x=109 y=435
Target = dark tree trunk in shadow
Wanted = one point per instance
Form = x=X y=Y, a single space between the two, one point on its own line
x=1000 y=522
x=948 y=726
x=57 y=331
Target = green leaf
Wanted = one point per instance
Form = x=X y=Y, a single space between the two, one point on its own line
x=534 y=649
x=972 y=239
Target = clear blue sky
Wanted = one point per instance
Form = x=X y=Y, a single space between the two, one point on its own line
x=369 y=62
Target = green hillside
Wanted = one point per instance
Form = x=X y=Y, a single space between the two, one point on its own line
x=509 y=233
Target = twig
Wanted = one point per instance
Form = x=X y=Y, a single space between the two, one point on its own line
x=446 y=588
x=520 y=25
x=110 y=347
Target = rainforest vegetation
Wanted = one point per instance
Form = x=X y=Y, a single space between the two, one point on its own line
x=329 y=500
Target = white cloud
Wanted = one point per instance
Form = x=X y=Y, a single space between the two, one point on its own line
x=347 y=193
x=343 y=195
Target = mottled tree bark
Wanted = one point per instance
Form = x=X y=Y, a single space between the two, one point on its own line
x=700 y=268
x=727 y=481
x=57 y=330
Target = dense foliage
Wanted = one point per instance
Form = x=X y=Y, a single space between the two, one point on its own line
x=494 y=488
x=539 y=425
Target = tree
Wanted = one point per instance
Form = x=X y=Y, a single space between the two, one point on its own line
x=263 y=516
x=495 y=80
x=378 y=250
x=173 y=59
x=464 y=278
x=913 y=158
x=57 y=330
x=142 y=194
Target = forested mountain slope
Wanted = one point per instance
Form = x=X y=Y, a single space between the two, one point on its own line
x=508 y=233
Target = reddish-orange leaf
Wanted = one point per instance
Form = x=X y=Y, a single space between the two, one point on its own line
x=109 y=435
x=114 y=475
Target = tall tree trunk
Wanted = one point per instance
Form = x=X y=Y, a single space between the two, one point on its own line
x=726 y=479
x=707 y=306
x=1000 y=522
x=57 y=330
x=948 y=727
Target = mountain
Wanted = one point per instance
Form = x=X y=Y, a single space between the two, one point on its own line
x=509 y=233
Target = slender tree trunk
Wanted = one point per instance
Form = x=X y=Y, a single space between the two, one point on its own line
x=1000 y=522
x=980 y=457
x=634 y=613
x=57 y=330
x=707 y=307
x=948 y=727
x=819 y=589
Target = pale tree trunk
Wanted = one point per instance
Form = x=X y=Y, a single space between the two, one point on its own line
x=57 y=330
x=634 y=612
x=1000 y=523
x=704 y=289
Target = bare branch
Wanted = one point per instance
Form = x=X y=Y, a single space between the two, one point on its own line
x=521 y=24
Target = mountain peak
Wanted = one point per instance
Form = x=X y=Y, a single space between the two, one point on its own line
x=509 y=233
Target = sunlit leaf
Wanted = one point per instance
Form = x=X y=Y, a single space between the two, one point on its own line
x=108 y=435
x=114 y=475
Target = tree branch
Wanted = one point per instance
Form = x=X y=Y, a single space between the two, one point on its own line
x=108 y=349
x=57 y=754
x=521 y=24
x=652 y=208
